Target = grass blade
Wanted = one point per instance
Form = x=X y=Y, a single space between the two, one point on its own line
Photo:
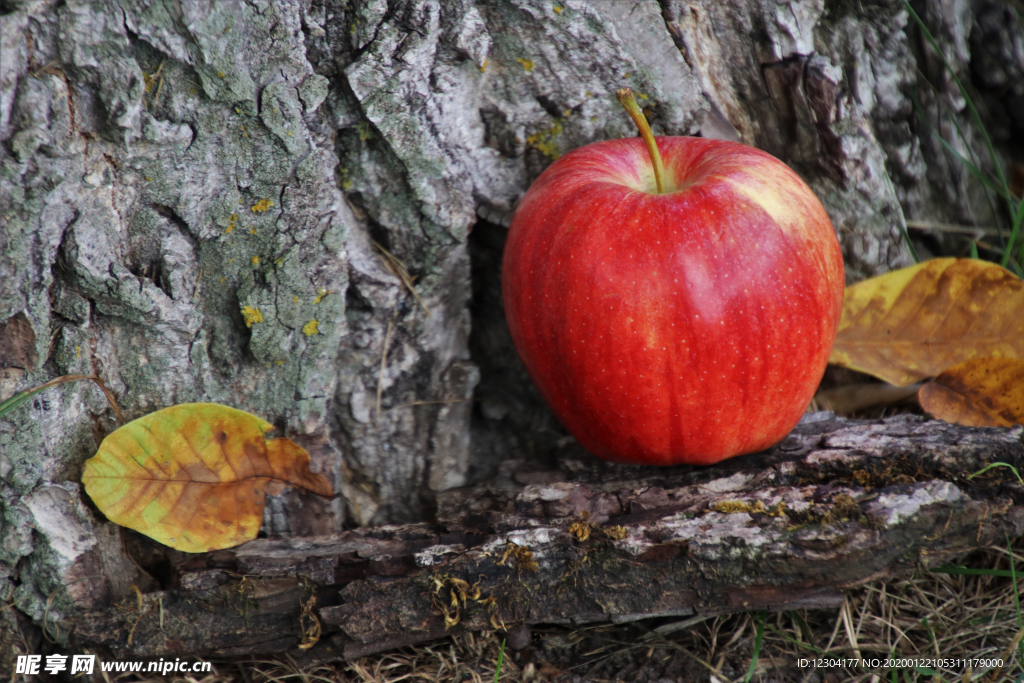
x=1018 y=218
x=22 y=396
x=906 y=239
x=968 y=164
x=501 y=660
x=758 y=640
x=963 y=92
x=970 y=571
x=994 y=465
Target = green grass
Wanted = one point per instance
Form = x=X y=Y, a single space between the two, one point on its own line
x=758 y=642
x=501 y=660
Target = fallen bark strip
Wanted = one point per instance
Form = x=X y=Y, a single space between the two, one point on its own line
x=837 y=504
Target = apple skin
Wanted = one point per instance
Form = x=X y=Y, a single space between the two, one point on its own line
x=684 y=327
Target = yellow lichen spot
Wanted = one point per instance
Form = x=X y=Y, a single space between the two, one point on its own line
x=251 y=316
x=557 y=9
x=320 y=295
x=587 y=94
x=221 y=74
x=295 y=299
x=227 y=230
x=223 y=279
x=148 y=179
x=483 y=67
x=641 y=96
x=279 y=362
x=78 y=351
x=278 y=261
x=734 y=506
x=346 y=184
x=252 y=231
x=311 y=328
x=255 y=260
x=527 y=63
x=237 y=110
x=757 y=507
x=626 y=75
x=544 y=141
x=262 y=205
x=616 y=533
x=191 y=91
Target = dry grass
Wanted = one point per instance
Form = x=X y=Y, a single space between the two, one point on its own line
x=932 y=615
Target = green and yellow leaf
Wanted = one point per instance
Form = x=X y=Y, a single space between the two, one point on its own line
x=195 y=476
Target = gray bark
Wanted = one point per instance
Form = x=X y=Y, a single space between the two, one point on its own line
x=169 y=169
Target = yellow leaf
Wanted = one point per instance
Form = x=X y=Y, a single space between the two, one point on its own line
x=195 y=476
x=914 y=323
x=985 y=392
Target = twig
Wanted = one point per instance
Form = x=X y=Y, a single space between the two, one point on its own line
x=384 y=361
x=422 y=403
x=149 y=81
x=947 y=227
x=398 y=269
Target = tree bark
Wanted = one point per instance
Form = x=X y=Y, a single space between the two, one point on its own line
x=836 y=504
x=298 y=209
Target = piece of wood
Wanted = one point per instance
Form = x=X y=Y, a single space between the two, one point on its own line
x=581 y=541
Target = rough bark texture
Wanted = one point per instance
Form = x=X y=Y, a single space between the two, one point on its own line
x=836 y=504
x=190 y=193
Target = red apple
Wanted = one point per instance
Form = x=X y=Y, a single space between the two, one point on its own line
x=686 y=326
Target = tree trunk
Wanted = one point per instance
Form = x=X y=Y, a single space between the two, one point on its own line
x=298 y=209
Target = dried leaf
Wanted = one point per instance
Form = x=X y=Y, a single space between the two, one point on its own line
x=195 y=476
x=914 y=323
x=985 y=392
x=853 y=397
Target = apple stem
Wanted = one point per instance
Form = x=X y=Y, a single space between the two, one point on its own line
x=628 y=103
